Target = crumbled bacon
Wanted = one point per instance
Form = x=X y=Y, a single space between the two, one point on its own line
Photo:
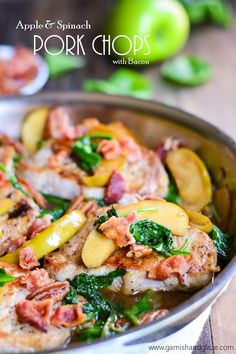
x=18 y=71
x=167 y=145
x=58 y=126
x=68 y=316
x=28 y=258
x=39 y=225
x=138 y=250
x=17 y=145
x=14 y=244
x=116 y=188
x=110 y=149
x=117 y=229
x=130 y=149
x=90 y=122
x=37 y=279
x=33 y=192
x=3 y=180
x=153 y=316
x=35 y=313
x=58 y=159
x=55 y=291
x=175 y=265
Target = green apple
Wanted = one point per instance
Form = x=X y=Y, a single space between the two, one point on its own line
x=165 y=24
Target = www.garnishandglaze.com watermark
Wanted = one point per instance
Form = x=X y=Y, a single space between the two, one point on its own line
x=198 y=348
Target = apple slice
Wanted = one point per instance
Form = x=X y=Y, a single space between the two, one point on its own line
x=33 y=128
x=165 y=213
x=97 y=249
x=191 y=177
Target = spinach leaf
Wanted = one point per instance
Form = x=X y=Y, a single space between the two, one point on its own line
x=86 y=151
x=5 y=277
x=202 y=11
x=142 y=306
x=103 y=218
x=60 y=64
x=187 y=70
x=88 y=286
x=123 y=82
x=220 y=241
x=12 y=179
x=173 y=195
x=59 y=210
x=100 y=135
x=71 y=296
x=153 y=235
x=91 y=332
x=56 y=213
x=56 y=200
x=182 y=250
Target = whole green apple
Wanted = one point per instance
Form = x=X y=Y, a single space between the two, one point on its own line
x=165 y=24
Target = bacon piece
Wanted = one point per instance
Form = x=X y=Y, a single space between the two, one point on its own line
x=117 y=229
x=37 y=279
x=28 y=258
x=167 y=145
x=68 y=316
x=33 y=192
x=58 y=126
x=18 y=146
x=110 y=149
x=176 y=265
x=138 y=251
x=130 y=149
x=39 y=225
x=55 y=291
x=14 y=244
x=116 y=188
x=3 y=180
x=153 y=316
x=58 y=159
x=35 y=313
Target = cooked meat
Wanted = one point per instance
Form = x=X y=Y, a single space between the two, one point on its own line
x=146 y=176
x=21 y=337
x=143 y=273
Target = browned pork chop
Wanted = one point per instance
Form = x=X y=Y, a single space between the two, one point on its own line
x=150 y=272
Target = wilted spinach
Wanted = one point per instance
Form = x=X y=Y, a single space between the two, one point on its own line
x=153 y=235
x=142 y=306
x=85 y=149
x=220 y=241
x=60 y=207
x=5 y=277
x=173 y=194
x=103 y=218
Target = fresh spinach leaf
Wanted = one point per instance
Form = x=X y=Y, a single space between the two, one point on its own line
x=103 y=218
x=203 y=11
x=187 y=70
x=123 y=82
x=153 y=235
x=86 y=151
x=12 y=179
x=173 y=194
x=60 y=64
x=5 y=277
x=220 y=241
